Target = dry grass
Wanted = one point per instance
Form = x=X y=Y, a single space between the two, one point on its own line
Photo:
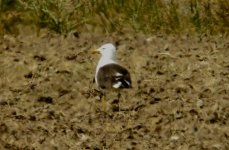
x=64 y=16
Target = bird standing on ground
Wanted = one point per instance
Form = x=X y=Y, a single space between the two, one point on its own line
x=109 y=74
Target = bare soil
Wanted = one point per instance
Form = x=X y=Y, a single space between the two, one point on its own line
x=179 y=99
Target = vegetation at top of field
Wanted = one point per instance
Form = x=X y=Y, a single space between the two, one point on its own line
x=147 y=16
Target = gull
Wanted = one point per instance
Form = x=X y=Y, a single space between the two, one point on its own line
x=109 y=74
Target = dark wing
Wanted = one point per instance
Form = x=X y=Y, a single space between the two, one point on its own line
x=113 y=76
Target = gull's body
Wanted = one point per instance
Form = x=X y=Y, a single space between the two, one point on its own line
x=109 y=74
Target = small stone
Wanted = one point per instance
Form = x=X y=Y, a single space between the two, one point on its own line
x=166 y=47
x=150 y=39
x=200 y=103
x=97 y=98
x=174 y=138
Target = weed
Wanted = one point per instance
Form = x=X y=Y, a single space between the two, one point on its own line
x=149 y=16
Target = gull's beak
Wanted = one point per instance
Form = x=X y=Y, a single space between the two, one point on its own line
x=95 y=51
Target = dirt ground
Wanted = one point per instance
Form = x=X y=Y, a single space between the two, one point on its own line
x=179 y=99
